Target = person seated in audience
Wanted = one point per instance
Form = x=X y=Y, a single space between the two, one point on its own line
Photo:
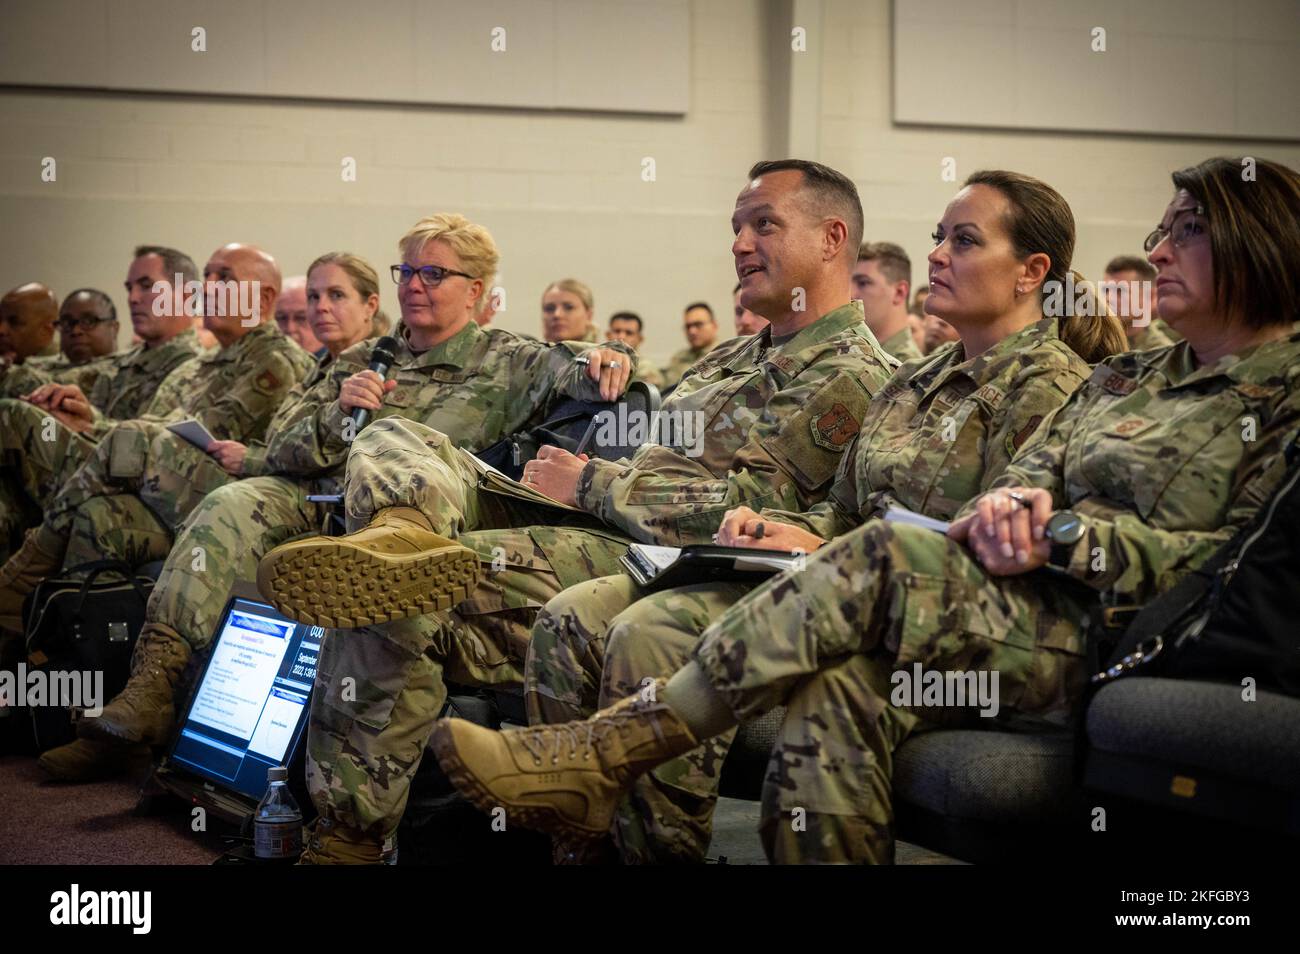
x=625 y=326
x=701 y=332
x=568 y=312
x=747 y=323
x=476 y=386
x=27 y=317
x=42 y=444
x=1128 y=281
x=87 y=326
x=882 y=279
x=1138 y=480
x=291 y=317
x=942 y=431
x=381 y=324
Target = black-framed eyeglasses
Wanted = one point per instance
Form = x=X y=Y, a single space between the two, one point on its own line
x=85 y=322
x=430 y=275
x=1187 y=226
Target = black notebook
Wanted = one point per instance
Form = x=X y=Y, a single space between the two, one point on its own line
x=657 y=568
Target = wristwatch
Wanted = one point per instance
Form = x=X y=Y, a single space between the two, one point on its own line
x=1064 y=528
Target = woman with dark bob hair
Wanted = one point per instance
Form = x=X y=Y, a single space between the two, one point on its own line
x=1149 y=468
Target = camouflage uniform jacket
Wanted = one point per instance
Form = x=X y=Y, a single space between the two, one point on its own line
x=255 y=457
x=476 y=387
x=752 y=424
x=680 y=363
x=945 y=427
x=1165 y=460
x=1154 y=335
x=902 y=345
x=134 y=376
x=233 y=391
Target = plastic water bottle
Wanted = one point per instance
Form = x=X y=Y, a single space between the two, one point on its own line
x=277 y=826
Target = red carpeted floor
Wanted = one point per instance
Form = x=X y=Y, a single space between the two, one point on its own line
x=44 y=822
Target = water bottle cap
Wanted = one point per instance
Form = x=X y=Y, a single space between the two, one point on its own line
x=278 y=774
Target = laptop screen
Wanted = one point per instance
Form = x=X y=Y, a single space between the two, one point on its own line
x=251 y=705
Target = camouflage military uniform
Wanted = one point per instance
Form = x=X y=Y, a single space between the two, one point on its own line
x=34 y=467
x=233 y=392
x=775 y=423
x=1155 y=335
x=478 y=386
x=902 y=345
x=32 y=373
x=680 y=363
x=138 y=525
x=939 y=434
x=1164 y=461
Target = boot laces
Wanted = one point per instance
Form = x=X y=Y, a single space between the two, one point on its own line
x=581 y=736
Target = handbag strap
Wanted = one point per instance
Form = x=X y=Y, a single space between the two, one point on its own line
x=93 y=569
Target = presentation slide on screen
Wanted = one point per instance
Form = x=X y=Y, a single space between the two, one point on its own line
x=244 y=665
x=275 y=730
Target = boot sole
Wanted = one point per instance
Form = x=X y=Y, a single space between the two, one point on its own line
x=535 y=818
x=326 y=583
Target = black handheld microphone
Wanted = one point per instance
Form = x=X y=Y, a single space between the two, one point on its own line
x=381 y=359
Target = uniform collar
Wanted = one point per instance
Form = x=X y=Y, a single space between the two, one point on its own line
x=457 y=351
x=236 y=351
x=1260 y=364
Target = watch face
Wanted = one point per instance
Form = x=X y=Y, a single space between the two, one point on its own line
x=1065 y=528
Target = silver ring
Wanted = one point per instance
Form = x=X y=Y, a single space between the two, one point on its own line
x=616 y=364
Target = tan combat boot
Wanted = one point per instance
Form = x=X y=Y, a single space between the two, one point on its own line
x=329 y=843
x=143 y=711
x=40 y=556
x=87 y=760
x=566 y=779
x=394 y=568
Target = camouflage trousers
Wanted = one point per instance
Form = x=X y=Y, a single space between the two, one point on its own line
x=130 y=494
x=37 y=455
x=220 y=544
x=825 y=642
x=380 y=688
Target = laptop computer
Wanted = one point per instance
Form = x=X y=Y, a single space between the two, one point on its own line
x=247 y=712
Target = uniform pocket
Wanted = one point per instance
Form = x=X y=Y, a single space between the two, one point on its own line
x=362 y=672
x=127 y=452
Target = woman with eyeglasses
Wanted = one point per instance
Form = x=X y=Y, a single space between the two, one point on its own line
x=1148 y=469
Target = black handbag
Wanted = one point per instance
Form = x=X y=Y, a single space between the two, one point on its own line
x=81 y=628
x=1234 y=616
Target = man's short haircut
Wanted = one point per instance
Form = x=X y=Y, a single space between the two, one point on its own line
x=698 y=304
x=831 y=193
x=174 y=262
x=101 y=300
x=1132 y=263
x=626 y=316
x=894 y=261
